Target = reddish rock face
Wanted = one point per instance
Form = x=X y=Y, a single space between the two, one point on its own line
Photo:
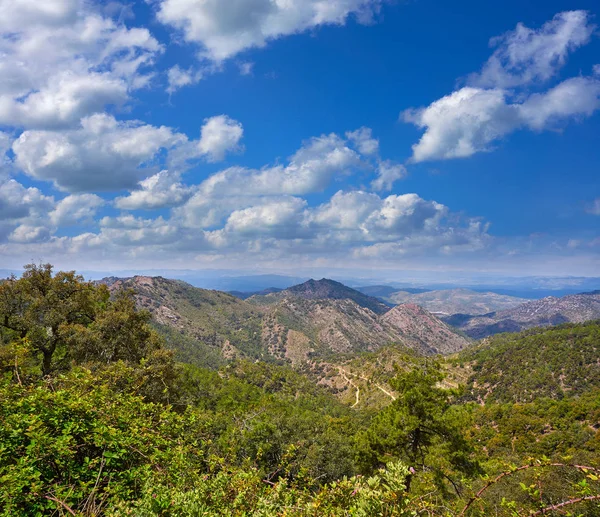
x=423 y=327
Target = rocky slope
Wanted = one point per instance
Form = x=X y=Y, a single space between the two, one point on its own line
x=548 y=311
x=208 y=327
x=205 y=327
x=456 y=301
x=420 y=326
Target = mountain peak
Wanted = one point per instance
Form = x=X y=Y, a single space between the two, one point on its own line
x=330 y=289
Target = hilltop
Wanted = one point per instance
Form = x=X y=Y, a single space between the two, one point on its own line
x=326 y=289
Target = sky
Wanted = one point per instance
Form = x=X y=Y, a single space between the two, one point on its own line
x=288 y=135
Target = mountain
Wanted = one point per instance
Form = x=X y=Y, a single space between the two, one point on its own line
x=548 y=311
x=204 y=327
x=456 y=301
x=325 y=289
x=556 y=362
x=425 y=328
x=209 y=327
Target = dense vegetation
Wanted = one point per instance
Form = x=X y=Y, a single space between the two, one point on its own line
x=97 y=418
x=557 y=362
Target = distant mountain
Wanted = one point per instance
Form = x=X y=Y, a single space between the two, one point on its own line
x=548 y=311
x=456 y=301
x=325 y=289
x=209 y=327
x=558 y=362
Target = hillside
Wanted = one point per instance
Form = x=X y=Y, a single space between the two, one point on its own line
x=325 y=289
x=423 y=327
x=208 y=328
x=548 y=311
x=456 y=301
x=558 y=362
x=204 y=327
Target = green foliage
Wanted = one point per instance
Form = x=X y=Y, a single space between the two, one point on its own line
x=44 y=310
x=558 y=362
x=422 y=427
x=115 y=427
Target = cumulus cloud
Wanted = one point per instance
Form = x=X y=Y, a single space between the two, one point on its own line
x=75 y=209
x=62 y=61
x=526 y=55
x=25 y=233
x=18 y=202
x=472 y=118
x=387 y=174
x=364 y=141
x=24 y=208
x=102 y=154
x=158 y=191
x=462 y=123
x=5 y=160
x=178 y=78
x=224 y=29
x=576 y=97
x=220 y=135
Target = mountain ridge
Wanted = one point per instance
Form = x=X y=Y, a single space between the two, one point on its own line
x=549 y=311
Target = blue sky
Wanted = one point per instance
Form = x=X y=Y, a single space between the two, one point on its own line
x=355 y=134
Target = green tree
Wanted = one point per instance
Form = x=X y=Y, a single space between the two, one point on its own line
x=422 y=428
x=42 y=309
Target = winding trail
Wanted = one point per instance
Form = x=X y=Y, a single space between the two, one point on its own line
x=345 y=374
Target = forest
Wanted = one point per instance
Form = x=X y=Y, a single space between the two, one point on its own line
x=98 y=418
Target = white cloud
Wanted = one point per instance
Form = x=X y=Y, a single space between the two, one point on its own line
x=526 y=55
x=75 y=209
x=279 y=218
x=19 y=203
x=364 y=141
x=29 y=234
x=469 y=120
x=62 y=61
x=5 y=161
x=158 y=191
x=310 y=169
x=462 y=123
x=102 y=154
x=576 y=97
x=224 y=29
x=246 y=68
x=220 y=135
x=472 y=118
x=66 y=98
x=387 y=174
x=178 y=78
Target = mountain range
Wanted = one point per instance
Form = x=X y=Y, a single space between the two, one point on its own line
x=302 y=324
x=455 y=301
x=548 y=311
